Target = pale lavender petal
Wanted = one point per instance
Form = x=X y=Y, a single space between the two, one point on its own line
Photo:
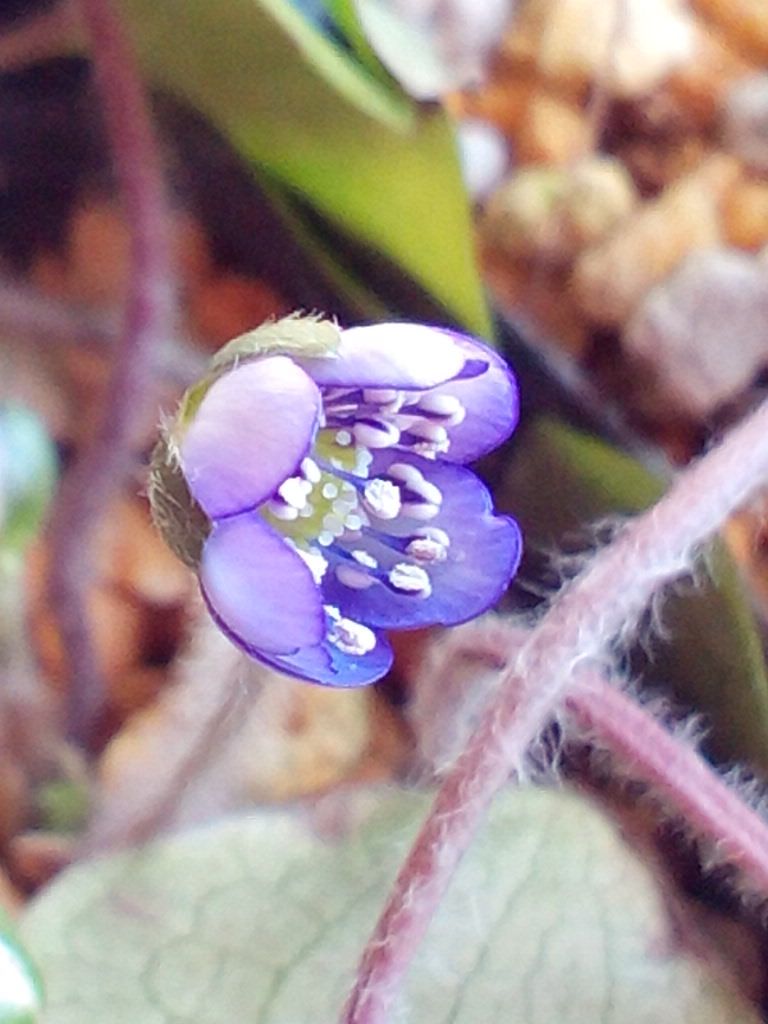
x=253 y=428
x=483 y=556
x=395 y=355
x=259 y=589
x=490 y=399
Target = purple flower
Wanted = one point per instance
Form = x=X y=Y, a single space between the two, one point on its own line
x=334 y=499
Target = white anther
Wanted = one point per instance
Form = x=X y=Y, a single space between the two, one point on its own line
x=411 y=579
x=315 y=562
x=282 y=511
x=380 y=396
x=433 y=433
x=356 y=579
x=343 y=438
x=421 y=511
x=425 y=549
x=311 y=471
x=325 y=538
x=350 y=637
x=329 y=490
x=428 y=498
x=375 y=433
x=447 y=407
x=405 y=472
x=365 y=558
x=294 y=491
x=382 y=498
x=353 y=522
x=441 y=405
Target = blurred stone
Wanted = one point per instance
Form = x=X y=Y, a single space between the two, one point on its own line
x=556 y=212
x=484 y=155
x=629 y=45
x=744 y=23
x=553 y=130
x=745 y=214
x=703 y=329
x=745 y=120
x=611 y=278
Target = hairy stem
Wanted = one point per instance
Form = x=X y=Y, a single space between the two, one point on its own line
x=604 y=600
x=148 y=320
x=645 y=750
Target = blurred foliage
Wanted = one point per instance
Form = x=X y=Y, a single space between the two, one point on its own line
x=707 y=653
x=20 y=987
x=28 y=471
x=567 y=924
x=307 y=113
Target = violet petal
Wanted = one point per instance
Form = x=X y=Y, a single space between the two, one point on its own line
x=483 y=556
x=328 y=666
x=252 y=429
x=393 y=355
x=490 y=400
x=259 y=589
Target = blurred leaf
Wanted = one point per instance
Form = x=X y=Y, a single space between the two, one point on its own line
x=708 y=652
x=305 y=111
x=550 y=918
x=27 y=476
x=20 y=990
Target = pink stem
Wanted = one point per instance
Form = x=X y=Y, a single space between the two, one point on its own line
x=605 y=599
x=646 y=750
x=148 y=319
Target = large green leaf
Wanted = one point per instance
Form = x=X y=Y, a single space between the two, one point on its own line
x=309 y=114
x=708 y=652
x=20 y=990
x=550 y=918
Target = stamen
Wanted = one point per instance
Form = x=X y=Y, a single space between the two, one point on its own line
x=424 y=436
x=294 y=491
x=281 y=510
x=430 y=545
x=365 y=558
x=382 y=498
x=356 y=579
x=343 y=438
x=420 y=498
x=381 y=396
x=410 y=579
x=317 y=565
x=311 y=471
x=375 y=432
x=349 y=636
x=445 y=408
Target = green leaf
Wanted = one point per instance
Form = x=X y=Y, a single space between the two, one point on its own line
x=310 y=115
x=20 y=989
x=708 y=653
x=27 y=476
x=550 y=918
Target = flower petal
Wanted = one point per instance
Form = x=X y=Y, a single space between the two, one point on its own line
x=490 y=400
x=329 y=666
x=395 y=355
x=252 y=429
x=483 y=556
x=258 y=588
